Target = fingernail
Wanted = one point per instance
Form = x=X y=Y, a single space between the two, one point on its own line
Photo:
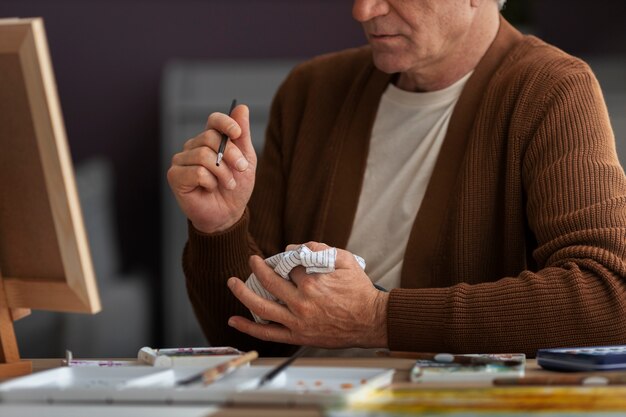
x=231 y=322
x=241 y=164
x=231 y=184
x=230 y=282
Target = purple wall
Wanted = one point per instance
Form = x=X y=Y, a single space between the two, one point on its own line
x=581 y=27
x=108 y=56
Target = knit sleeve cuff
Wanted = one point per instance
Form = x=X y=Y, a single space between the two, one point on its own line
x=222 y=251
x=416 y=319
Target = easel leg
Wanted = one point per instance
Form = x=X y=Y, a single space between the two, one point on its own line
x=10 y=363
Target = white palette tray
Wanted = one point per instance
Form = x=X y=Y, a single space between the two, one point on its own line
x=296 y=385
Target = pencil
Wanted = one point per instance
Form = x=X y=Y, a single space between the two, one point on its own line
x=211 y=375
x=220 y=150
x=450 y=358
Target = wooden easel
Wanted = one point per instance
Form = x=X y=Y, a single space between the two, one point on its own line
x=10 y=363
x=43 y=245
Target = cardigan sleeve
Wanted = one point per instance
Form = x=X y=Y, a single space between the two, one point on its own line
x=576 y=208
x=210 y=260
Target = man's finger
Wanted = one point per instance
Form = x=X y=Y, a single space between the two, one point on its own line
x=205 y=157
x=210 y=138
x=316 y=246
x=224 y=123
x=272 y=282
x=345 y=260
x=269 y=332
x=241 y=114
x=185 y=179
x=266 y=309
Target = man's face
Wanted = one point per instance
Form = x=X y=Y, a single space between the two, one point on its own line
x=411 y=35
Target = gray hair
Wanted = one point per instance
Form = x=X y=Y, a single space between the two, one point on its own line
x=501 y=3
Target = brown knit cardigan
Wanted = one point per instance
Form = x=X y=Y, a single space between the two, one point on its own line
x=520 y=242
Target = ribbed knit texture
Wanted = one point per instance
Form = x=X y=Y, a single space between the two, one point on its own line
x=526 y=242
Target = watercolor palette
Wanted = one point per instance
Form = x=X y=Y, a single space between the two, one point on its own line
x=296 y=385
x=470 y=367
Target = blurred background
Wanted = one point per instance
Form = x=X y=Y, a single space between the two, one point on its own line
x=136 y=78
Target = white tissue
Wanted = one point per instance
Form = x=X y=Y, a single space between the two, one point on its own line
x=314 y=262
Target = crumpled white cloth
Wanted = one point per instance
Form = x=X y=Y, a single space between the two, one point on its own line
x=314 y=262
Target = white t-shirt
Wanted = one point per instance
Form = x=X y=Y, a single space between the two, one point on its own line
x=406 y=138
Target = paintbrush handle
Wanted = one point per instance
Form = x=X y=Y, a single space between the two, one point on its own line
x=221 y=370
x=211 y=375
x=450 y=358
x=616 y=379
x=281 y=367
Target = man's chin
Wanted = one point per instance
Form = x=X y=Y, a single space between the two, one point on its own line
x=387 y=63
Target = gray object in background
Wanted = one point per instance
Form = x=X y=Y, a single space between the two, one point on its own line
x=191 y=90
x=124 y=325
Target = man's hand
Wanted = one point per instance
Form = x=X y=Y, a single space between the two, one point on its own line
x=337 y=310
x=215 y=197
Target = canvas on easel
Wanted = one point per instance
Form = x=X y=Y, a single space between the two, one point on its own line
x=45 y=262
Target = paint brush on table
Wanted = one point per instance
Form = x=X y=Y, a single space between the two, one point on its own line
x=559 y=379
x=281 y=367
x=211 y=375
x=478 y=360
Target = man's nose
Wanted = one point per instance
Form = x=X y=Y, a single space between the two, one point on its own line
x=364 y=10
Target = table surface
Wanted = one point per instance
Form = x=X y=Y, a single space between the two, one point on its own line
x=402 y=366
x=401 y=377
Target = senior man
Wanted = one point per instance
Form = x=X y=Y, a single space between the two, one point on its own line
x=472 y=167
